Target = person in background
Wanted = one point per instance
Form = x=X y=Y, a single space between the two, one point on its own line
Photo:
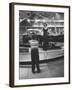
x=45 y=36
x=34 y=54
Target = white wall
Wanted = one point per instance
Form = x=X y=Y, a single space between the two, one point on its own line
x=4 y=43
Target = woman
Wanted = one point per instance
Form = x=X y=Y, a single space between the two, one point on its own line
x=45 y=37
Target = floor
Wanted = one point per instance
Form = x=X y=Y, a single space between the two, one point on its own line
x=54 y=68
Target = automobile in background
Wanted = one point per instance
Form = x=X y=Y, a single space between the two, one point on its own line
x=52 y=40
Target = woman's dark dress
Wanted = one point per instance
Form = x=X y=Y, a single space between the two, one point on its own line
x=45 y=39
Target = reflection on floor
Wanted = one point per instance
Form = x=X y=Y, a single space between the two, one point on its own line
x=54 y=68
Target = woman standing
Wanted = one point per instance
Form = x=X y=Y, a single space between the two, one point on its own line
x=45 y=37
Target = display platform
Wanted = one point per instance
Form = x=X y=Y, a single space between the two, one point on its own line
x=25 y=58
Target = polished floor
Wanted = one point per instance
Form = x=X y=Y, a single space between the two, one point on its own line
x=54 y=68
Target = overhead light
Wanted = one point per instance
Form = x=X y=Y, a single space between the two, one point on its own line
x=28 y=20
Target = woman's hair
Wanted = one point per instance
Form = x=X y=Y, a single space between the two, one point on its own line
x=45 y=24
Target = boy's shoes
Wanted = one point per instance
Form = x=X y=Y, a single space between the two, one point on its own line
x=38 y=71
x=33 y=71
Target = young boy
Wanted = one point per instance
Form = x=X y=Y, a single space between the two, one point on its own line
x=34 y=54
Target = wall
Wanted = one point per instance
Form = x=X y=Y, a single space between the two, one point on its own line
x=4 y=43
